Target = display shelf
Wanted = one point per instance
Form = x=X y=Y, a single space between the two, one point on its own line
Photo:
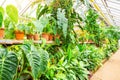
x=8 y=41
x=86 y=42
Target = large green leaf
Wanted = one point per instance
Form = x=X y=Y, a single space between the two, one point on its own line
x=36 y=58
x=44 y=56
x=8 y=65
x=12 y=12
x=62 y=21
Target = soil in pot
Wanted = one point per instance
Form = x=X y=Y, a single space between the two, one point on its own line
x=36 y=36
x=2 y=32
x=19 y=35
x=30 y=36
x=50 y=37
x=45 y=36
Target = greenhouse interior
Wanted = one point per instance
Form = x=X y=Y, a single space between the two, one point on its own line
x=59 y=40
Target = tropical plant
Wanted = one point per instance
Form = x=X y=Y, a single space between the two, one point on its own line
x=91 y=56
x=9 y=30
x=2 y=10
x=112 y=32
x=11 y=21
x=41 y=23
x=12 y=12
x=1 y=19
x=6 y=22
x=29 y=28
x=8 y=64
x=62 y=21
x=1 y=15
x=66 y=66
x=37 y=59
x=21 y=27
x=41 y=10
x=32 y=61
x=92 y=27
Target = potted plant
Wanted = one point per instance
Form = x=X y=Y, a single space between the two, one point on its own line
x=12 y=14
x=48 y=32
x=19 y=32
x=1 y=29
x=29 y=30
x=1 y=22
x=62 y=21
x=41 y=24
x=37 y=29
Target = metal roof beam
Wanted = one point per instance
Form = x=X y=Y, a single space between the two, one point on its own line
x=26 y=8
x=93 y=3
x=108 y=11
x=114 y=1
x=3 y=2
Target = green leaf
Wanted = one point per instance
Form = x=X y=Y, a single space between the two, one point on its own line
x=33 y=59
x=62 y=21
x=69 y=53
x=36 y=58
x=44 y=56
x=41 y=23
x=12 y=12
x=8 y=65
x=1 y=15
x=2 y=10
x=1 y=19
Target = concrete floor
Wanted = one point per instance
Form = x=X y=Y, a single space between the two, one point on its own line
x=110 y=69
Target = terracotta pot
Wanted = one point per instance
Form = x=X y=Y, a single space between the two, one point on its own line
x=36 y=36
x=90 y=41
x=2 y=32
x=19 y=35
x=45 y=36
x=50 y=37
x=30 y=36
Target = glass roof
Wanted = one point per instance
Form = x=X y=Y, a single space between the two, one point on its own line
x=111 y=10
x=24 y=6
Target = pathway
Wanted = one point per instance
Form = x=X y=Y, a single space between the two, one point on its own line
x=110 y=70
